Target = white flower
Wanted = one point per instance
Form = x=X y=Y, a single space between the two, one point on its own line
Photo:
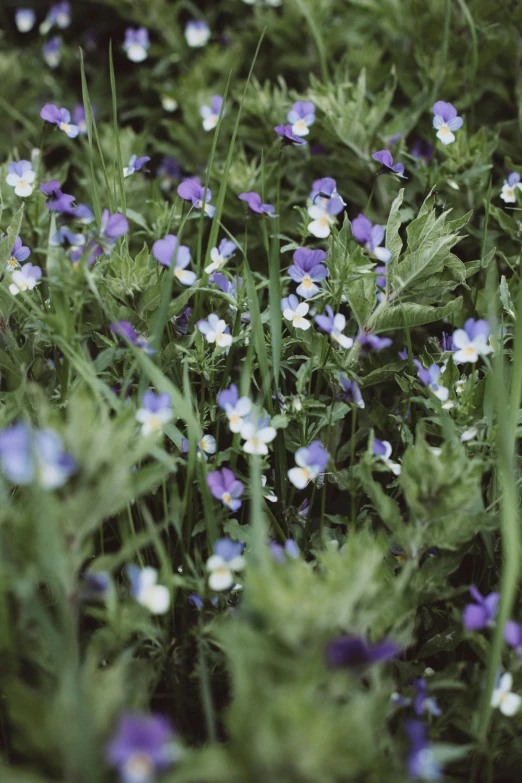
x=256 y=437
x=469 y=349
x=154 y=597
x=21 y=177
x=197 y=34
x=469 y=434
x=336 y=334
x=393 y=466
x=297 y=316
x=235 y=414
x=169 y=104
x=226 y=560
x=207 y=444
x=25 y=279
x=508 y=703
x=154 y=415
x=460 y=386
x=214 y=330
x=268 y=494
x=322 y=222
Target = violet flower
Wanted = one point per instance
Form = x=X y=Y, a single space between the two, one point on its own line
x=374 y=342
x=18 y=255
x=136 y=44
x=471 y=341
x=191 y=190
x=135 y=164
x=52 y=52
x=164 y=250
x=181 y=323
x=323 y=214
x=429 y=378
x=126 y=329
x=112 y=227
x=288 y=136
x=282 y=553
x=445 y=121
x=349 y=651
x=61 y=118
x=334 y=325
x=351 y=392
x=307 y=270
x=295 y=312
x=371 y=237
x=254 y=204
x=197 y=33
x=422 y=151
x=301 y=116
x=235 y=407
x=510 y=187
x=226 y=559
x=169 y=171
x=383 y=450
x=59 y=15
x=421 y=760
x=422 y=702
x=384 y=157
x=57 y=201
x=513 y=636
x=20 y=176
x=482 y=613
x=210 y=114
x=323 y=189
x=39 y=457
x=80 y=119
x=24 y=19
x=142 y=747
x=220 y=255
x=226 y=487
x=25 y=279
x=310 y=461
x=155 y=412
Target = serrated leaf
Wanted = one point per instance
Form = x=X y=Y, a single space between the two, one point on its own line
x=410 y=314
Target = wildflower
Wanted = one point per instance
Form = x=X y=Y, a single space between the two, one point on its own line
x=445 y=121
x=25 y=19
x=210 y=114
x=383 y=450
x=421 y=760
x=235 y=407
x=324 y=189
x=403 y=354
x=268 y=494
x=349 y=651
x=191 y=190
x=226 y=488
x=169 y=103
x=142 y=747
x=52 y=52
x=182 y=321
x=220 y=255
x=80 y=119
x=112 y=227
x=215 y=330
x=170 y=172
x=513 y=635
x=310 y=461
x=295 y=312
x=482 y=613
x=422 y=151
x=224 y=284
x=146 y=591
x=429 y=378
x=323 y=218
x=226 y=559
x=205 y=445
x=307 y=270
x=469 y=434
x=301 y=116
x=154 y=413
x=384 y=157
x=164 y=250
x=136 y=44
x=39 y=457
x=351 y=392
x=471 y=341
x=59 y=15
x=334 y=325
x=64 y=236
x=288 y=136
x=18 y=255
x=510 y=187
x=25 y=279
x=61 y=118
x=254 y=204
x=507 y=702
x=371 y=237
x=256 y=435
x=197 y=33
x=135 y=164
x=460 y=385
x=20 y=176
x=373 y=341
x=422 y=702
x=57 y=201
x=281 y=553
x=126 y=329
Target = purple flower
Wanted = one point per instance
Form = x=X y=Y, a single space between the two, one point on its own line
x=513 y=635
x=220 y=255
x=383 y=450
x=135 y=164
x=326 y=188
x=429 y=378
x=226 y=487
x=228 y=550
x=446 y=343
x=155 y=412
x=385 y=158
x=25 y=279
x=307 y=270
x=235 y=407
x=197 y=33
x=136 y=44
x=310 y=461
x=482 y=613
x=112 y=227
x=373 y=341
x=301 y=117
x=97 y=584
x=422 y=151
x=52 y=52
x=182 y=321
x=403 y=354
x=191 y=190
x=422 y=702
x=254 y=203
x=164 y=250
x=351 y=392
x=334 y=325
x=79 y=118
x=287 y=134
x=20 y=176
x=356 y=652
x=60 y=15
x=18 y=255
x=25 y=19
x=170 y=172
x=510 y=187
x=57 y=201
x=210 y=114
x=126 y=329
x=281 y=554
x=445 y=121
x=34 y=457
x=371 y=237
x=142 y=747
x=471 y=341
x=61 y=118
x=421 y=760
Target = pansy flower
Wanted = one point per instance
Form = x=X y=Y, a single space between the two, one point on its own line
x=191 y=190
x=80 y=119
x=333 y=324
x=422 y=703
x=323 y=217
x=154 y=413
x=59 y=15
x=422 y=764
x=61 y=118
x=197 y=33
x=226 y=560
x=57 y=200
x=445 y=121
x=20 y=176
x=310 y=462
x=510 y=187
x=373 y=341
x=482 y=612
x=324 y=189
x=423 y=152
x=288 y=136
x=135 y=164
x=210 y=114
x=39 y=457
x=471 y=341
x=282 y=553
x=502 y=697
x=383 y=450
x=164 y=250
x=384 y=157
x=169 y=103
x=146 y=591
x=169 y=172
x=513 y=636
x=25 y=279
x=18 y=255
x=371 y=237
x=301 y=116
x=24 y=20
x=126 y=329
x=256 y=434
x=226 y=487
x=351 y=392
x=307 y=270
x=205 y=445
x=254 y=204
x=75 y=242
x=52 y=52
x=112 y=227
x=142 y=747
x=136 y=44
x=355 y=652
x=235 y=407
x=215 y=330
x=220 y=255
x=295 y=311
x=429 y=378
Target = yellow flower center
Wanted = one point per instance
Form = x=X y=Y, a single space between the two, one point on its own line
x=226 y=497
x=307 y=281
x=12 y=263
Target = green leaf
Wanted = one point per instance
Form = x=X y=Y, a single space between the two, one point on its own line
x=393 y=239
x=7 y=243
x=409 y=314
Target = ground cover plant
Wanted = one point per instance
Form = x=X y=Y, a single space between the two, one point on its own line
x=261 y=370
